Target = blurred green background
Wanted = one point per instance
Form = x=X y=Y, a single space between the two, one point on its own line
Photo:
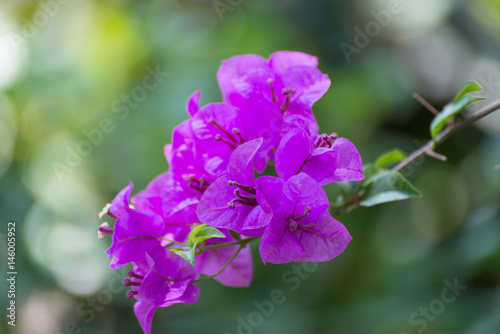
x=68 y=68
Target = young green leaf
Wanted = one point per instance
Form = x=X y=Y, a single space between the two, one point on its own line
x=208 y=232
x=469 y=87
x=195 y=229
x=387 y=187
x=391 y=157
x=188 y=255
x=462 y=100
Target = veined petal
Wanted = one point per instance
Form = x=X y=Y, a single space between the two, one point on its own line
x=278 y=245
x=255 y=221
x=282 y=60
x=293 y=151
x=241 y=161
x=144 y=311
x=327 y=240
x=234 y=68
x=322 y=165
x=120 y=204
x=350 y=167
x=269 y=191
x=309 y=83
x=301 y=191
x=213 y=208
x=237 y=274
x=193 y=103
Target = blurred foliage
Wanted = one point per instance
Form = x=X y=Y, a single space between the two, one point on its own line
x=68 y=66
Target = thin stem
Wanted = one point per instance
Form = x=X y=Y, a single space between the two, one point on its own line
x=160 y=238
x=436 y=155
x=425 y=104
x=221 y=269
x=242 y=243
x=427 y=149
x=444 y=135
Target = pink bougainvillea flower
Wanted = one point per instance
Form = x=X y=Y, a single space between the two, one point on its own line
x=273 y=95
x=327 y=159
x=231 y=201
x=301 y=228
x=162 y=211
x=169 y=281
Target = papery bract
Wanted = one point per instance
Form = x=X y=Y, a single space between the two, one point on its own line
x=327 y=159
x=169 y=281
x=301 y=228
x=231 y=201
x=237 y=274
x=273 y=95
x=175 y=201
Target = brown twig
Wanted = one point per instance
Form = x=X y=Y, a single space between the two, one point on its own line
x=427 y=149
x=444 y=135
x=425 y=104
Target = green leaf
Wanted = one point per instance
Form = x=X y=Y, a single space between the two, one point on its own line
x=390 y=157
x=235 y=235
x=462 y=100
x=387 y=187
x=469 y=87
x=349 y=188
x=203 y=232
x=188 y=255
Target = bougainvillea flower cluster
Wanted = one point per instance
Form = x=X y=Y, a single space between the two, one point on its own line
x=248 y=168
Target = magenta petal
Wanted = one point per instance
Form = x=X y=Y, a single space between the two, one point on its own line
x=234 y=68
x=327 y=240
x=215 y=165
x=193 y=103
x=157 y=290
x=300 y=191
x=144 y=312
x=299 y=118
x=269 y=190
x=237 y=274
x=167 y=151
x=128 y=246
x=241 y=161
x=149 y=198
x=168 y=264
x=226 y=116
x=184 y=155
x=278 y=245
x=282 y=60
x=120 y=204
x=255 y=220
x=128 y=251
x=190 y=296
x=255 y=83
x=350 y=167
x=309 y=84
x=183 y=213
x=292 y=153
x=322 y=165
x=213 y=207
